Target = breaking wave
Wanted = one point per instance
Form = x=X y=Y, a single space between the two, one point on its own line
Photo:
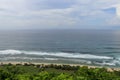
x=6 y=55
x=56 y=54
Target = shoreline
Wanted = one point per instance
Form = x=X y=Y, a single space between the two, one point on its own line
x=110 y=69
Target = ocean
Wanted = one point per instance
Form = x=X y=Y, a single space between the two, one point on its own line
x=89 y=47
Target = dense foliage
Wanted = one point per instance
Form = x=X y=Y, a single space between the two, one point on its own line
x=55 y=72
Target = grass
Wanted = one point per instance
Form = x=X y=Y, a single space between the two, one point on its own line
x=59 y=71
x=55 y=72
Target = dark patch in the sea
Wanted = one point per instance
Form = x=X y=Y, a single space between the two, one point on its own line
x=111 y=48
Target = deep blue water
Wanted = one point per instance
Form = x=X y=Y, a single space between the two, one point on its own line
x=98 y=47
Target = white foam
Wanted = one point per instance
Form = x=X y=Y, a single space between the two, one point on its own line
x=105 y=63
x=27 y=58
x=51 y=59
x=10 y=52
x=57 y=54
x=70 y=55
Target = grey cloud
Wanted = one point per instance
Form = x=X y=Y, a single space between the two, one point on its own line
x=49 y=4
x=55 y=13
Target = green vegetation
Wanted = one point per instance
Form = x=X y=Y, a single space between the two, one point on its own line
x=55 y=72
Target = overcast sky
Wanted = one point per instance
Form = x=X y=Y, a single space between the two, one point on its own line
x=73 y=14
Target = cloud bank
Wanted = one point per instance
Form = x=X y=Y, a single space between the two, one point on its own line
x=44 y=14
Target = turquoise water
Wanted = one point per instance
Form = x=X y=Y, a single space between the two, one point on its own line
x=98 y=47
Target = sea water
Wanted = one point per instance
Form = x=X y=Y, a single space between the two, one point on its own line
x=91 y=47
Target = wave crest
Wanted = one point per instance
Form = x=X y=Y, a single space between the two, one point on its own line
x=57 y=54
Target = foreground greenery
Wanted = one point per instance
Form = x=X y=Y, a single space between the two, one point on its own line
x=55 y=72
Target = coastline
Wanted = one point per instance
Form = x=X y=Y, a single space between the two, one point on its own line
x=110 y=69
